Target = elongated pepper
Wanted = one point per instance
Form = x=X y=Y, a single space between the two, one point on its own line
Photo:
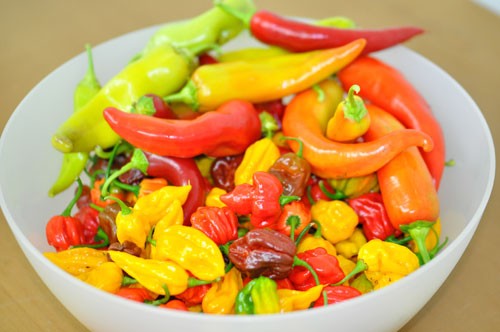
x=331 y=159
x=263 y=80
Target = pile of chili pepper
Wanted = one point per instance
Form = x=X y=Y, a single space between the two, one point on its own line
x=249 y=182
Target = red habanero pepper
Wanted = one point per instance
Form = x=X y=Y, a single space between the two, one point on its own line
x=228 y=130
x=63 y=231
x=89 y=218
x=180 y=172
x=405 y=182
x=218 y=223
x=387 y=88
x=295 y=36
x=325 y=265
x=335 y=294
x=261 y=199
x=193 y=295
x=134 y=294
x=329 y=159
x=372 y=215
x=294 y=217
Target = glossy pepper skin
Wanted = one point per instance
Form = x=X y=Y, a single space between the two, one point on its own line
x=279 y=76
x=76 y=261
x=295 y=36
x=263 y=252
x=405 y=182
x=229 y=130
x=259 y=296
x=293 y=300
x=387 y=88
x=329 y=159
x=222 y=171
x=219 y=223
x=161 y=72
x=261 y=200
x=191 y=249
x=337 y=219
x=220 y=298
x=180 y=172
x=336 y=294
x=372 y=215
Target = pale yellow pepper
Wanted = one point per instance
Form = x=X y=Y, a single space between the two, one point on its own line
x=387 y=262
x=350 y=247
x=259 y=156
x=107 y=277
x=220 y=298
x=293 y=300
x=337 y=219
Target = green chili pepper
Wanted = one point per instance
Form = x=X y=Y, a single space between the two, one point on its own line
x=259 y=296
x=211 y=28
x=74 y=163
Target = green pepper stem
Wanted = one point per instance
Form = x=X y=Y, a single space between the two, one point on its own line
x=150 y=239
x=132 y=188
x=163 y=300
x=268 y=124
x=69 y=208
x=300 y=152
x=306 y=230
x=299 y=262
x=90 y=75
x=393 y=239
x=285 y=199
x=334 y=196
x=354 y=107
x=320 y=92
x=293 y=221
x=187 y=95
x=418 y=230
x=193 y=282
x=101 y=240
x=124 y=208
x=126 y=281
x=138 y=161
x=360 y=267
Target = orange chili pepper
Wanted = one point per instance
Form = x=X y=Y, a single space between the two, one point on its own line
x=331 y=159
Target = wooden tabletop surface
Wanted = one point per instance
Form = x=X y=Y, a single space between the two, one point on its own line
x=463 y=38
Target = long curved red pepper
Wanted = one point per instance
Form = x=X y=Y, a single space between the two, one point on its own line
x=180 y=172
x=228 y=130
x=387 y=88
x=296 y=36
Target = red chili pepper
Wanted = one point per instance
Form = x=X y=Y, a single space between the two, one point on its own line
x=229 y=130
x=261 y=200
x=284 y=284
x=337 y=294
x=295 y=215
x=387 y=88
x=372 y=215
x=193 y=295
x=63 y=231
x=89 y=218
x=326 y=266
x=180 y=172
x=295 y=36
x=134 y=294
x=219 y=224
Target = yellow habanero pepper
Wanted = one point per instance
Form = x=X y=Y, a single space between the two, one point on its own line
x=153 y=274
x=173 y=216
x=350 y=247
x=313 y=241
x=259 y=156
x=337 y=219
x=355 y=186
x=76 y=261
x=387 y=262
x=213 y=197
x=220 y=298
x=107 y=277
x=293 y=300
x=191 y=249
x=130 y=226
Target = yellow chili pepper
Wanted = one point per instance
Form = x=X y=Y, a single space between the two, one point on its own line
x=77 y=260
x=220 y=298
x=107 y=277
x=351 y=119
x=350 y=247
x=312 y=241
x=387 y=262
x=153 y=274
x=293 y=300
x=355 y=186
x=131 y=227
x=191 y=249
x=213 y=197
x=259 y=156
x=173 y=216
x=337 y=219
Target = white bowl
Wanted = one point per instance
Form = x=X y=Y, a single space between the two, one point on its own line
x=29 y=164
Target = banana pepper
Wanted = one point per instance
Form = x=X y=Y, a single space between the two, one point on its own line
x=259 y=156
x=337 y=219
x=221 y=297
x=387 y=262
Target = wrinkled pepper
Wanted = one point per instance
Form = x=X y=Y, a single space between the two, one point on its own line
x=331 y=159
x=221 y=297
x=336 y=294
x=293 y=300
x=162 y=71
x=153 y=274
x=350 y=246
x=131 y=226
x=191 y=249
x=294 y=217
x=261 y=200
x=220 y=224
x=297 y=36
x=194 y=295
x=387 y=262
x=229 y=130
x=405 y=182
x=77 y=261
x=337 y=219
x=107 y=277
x=387 y=88
x=259 y=296
x=351 y=119
x=263 y=252
x=263 y=80
x=316 y=240
x=137 y=294
x=222 y=171
x=259 y=156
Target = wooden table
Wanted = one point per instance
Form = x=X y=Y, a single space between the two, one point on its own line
x=461 y=37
